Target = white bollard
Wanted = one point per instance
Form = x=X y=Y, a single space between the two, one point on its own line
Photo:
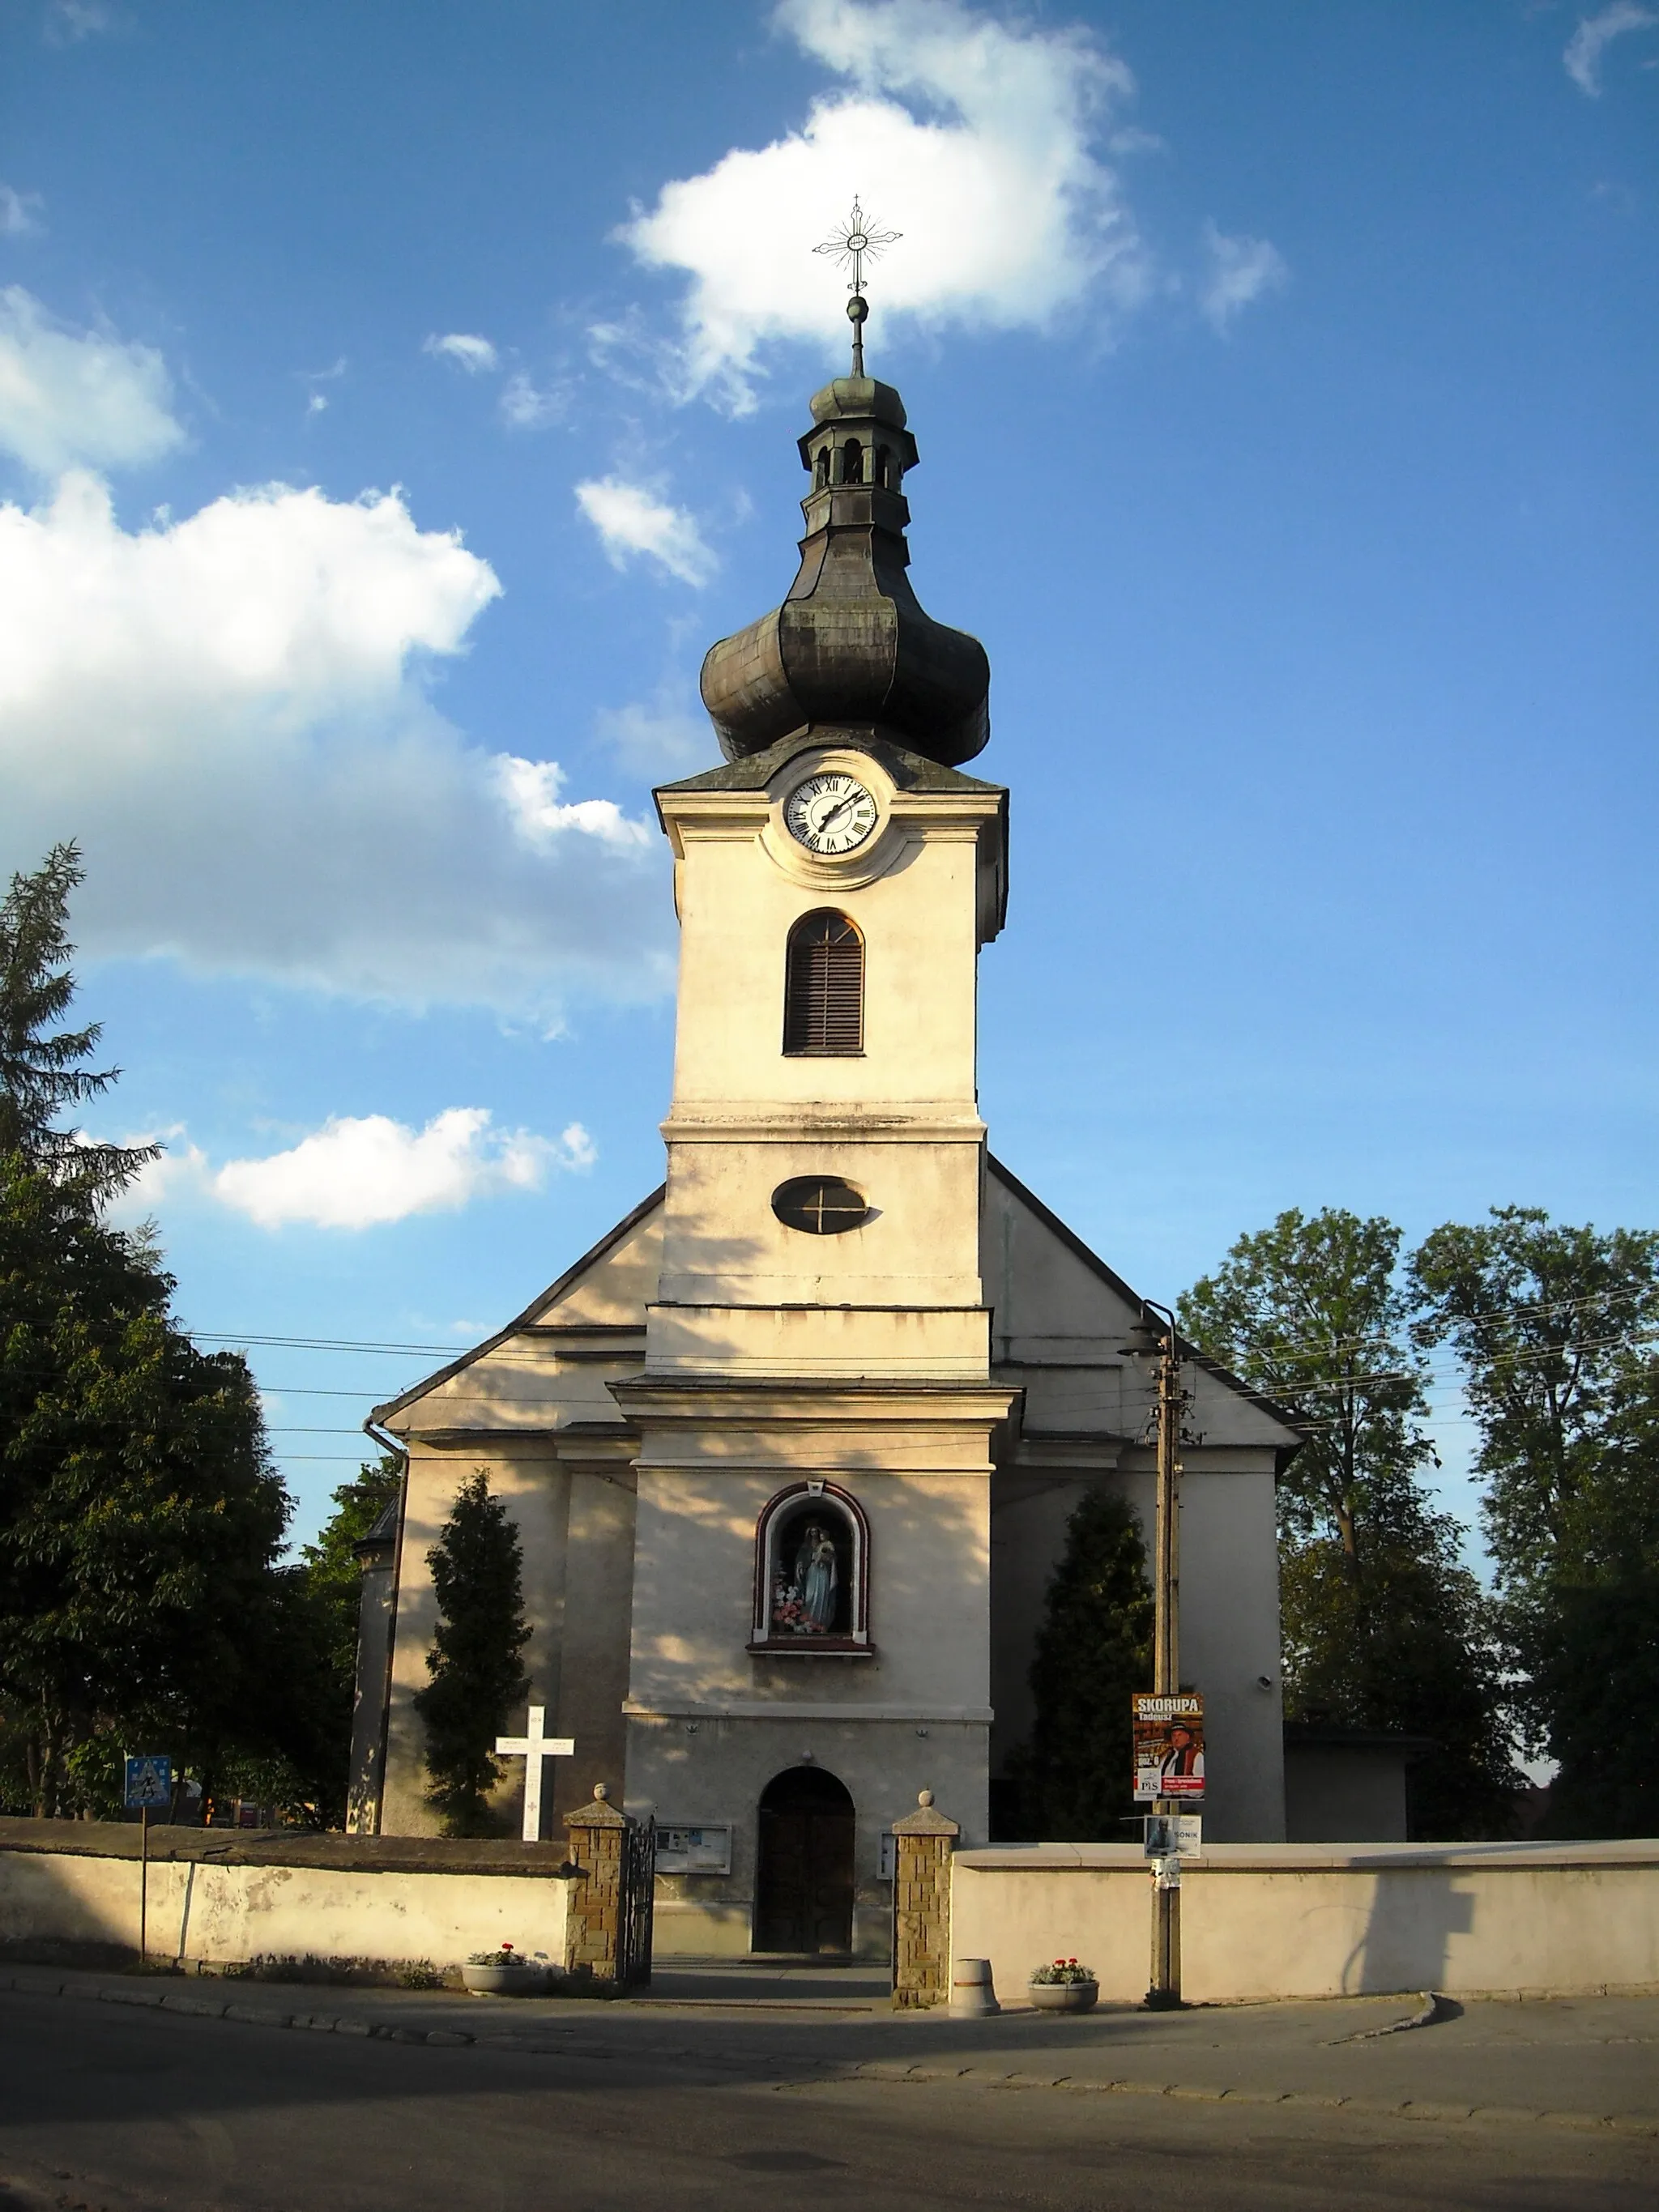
x=972 y=1996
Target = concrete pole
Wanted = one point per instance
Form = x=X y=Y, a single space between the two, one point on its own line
x=1164 y=1992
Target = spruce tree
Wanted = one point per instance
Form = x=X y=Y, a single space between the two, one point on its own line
x=140 y=1517
x=42 y=1069
x=476 y=1673
x=1093 y=1652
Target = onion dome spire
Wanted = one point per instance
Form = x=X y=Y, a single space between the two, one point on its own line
x=851 y=650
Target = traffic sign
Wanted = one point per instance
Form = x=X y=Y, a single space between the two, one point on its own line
x=150 y=1781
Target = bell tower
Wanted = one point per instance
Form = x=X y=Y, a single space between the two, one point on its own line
x=820 y=1324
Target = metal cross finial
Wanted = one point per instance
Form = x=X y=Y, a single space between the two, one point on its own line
x=853 y=243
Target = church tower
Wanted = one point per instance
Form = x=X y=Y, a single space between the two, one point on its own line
x=816 y=1383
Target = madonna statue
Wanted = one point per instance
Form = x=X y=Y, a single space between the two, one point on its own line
x=817 y=1581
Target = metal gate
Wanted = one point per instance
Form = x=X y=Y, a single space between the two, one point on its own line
x=634 y=1903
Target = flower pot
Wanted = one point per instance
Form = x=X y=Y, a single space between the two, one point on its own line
x=501 y=1980
x=1062 y=1996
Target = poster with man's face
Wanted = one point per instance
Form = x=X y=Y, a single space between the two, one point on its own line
x=1168 y=1749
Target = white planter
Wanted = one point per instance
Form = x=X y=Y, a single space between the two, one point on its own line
x=1063 y=1997
x=502 y=1981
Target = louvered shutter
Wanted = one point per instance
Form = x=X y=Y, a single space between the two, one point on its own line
x=824 y=991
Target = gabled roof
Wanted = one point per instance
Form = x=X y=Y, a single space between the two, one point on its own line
x=527 y=1319
x=1110 y=1276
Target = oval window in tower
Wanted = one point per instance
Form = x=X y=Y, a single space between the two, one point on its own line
x=823 y=1205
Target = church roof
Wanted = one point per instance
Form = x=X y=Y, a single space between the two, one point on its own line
x=910 y=771
x=852 y=647
x=1110 y=1276
x=530 y=1315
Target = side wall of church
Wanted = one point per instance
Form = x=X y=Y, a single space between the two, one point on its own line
x=576 y=1530
x=1058 y=1328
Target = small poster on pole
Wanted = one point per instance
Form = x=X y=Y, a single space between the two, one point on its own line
x=1172 y=1835
x=1168 y=1749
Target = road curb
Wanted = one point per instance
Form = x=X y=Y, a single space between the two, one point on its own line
x=191 y=2005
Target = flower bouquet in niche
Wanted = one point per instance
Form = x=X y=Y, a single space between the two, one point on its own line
x=1063 y=1986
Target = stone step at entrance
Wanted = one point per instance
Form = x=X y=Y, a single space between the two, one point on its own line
x=770 y=1982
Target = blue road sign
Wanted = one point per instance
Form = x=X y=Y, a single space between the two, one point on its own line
x=150 y=1781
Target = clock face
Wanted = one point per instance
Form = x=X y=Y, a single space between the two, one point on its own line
x=829 y=813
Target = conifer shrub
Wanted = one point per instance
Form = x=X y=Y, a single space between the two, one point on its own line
x=477 y=1672
x=1073 y=1776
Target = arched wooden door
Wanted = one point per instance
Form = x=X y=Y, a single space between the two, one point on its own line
x=804 y=1881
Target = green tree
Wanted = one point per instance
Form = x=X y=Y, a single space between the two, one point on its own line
x=475 y=1669
x=140 y=1519
x=1553 y=1327
x=42 y=1069
x=330 y=1565
x=1093 y=1652
x=1382 y=1627
x=315 y=1681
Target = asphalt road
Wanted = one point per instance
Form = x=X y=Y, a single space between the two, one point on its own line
x=104 y=2109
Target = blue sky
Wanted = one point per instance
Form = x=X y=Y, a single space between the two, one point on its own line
x=395 y=400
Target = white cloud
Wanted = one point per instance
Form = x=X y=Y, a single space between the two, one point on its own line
x=1241 y=270
x=67 y=397
x=69 y=21
x=20 y=212
x=356 y=1172
x=527 y=407
x=630 y=521
x=232 y=712
x=666 y=735
x=474 y=354
x=975 y=138
x=532 y=788
x=1582 y=58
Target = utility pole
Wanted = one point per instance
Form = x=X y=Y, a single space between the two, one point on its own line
x=1154 y=1336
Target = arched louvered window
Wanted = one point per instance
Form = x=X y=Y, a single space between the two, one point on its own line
x=823 y=985
x=852 y=462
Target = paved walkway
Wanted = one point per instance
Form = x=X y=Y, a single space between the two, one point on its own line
x=1589 y=2063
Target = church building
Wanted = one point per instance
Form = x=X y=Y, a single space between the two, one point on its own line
x=791 y=1451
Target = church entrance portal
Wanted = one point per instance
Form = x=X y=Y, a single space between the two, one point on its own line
x=803 y=1884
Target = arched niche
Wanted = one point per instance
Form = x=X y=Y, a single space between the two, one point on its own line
x=813 y=1574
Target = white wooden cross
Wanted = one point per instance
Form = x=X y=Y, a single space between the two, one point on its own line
x=533 y=1746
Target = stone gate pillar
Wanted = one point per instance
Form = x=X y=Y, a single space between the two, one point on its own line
x=593 y=1922
x=922 y=1846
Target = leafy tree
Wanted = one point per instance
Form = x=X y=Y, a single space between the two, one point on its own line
x=330 y=1565
x=314 y=1682
x=477 y=1672
x=1549 y=1321
x=1382 y=1627
x=1093 y=1652
x=1552 y=1326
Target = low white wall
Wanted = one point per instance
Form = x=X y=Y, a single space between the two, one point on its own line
x=218 y=1915
x=1281 y=1921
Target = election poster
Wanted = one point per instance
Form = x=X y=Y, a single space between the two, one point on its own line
x=1168 y=1749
